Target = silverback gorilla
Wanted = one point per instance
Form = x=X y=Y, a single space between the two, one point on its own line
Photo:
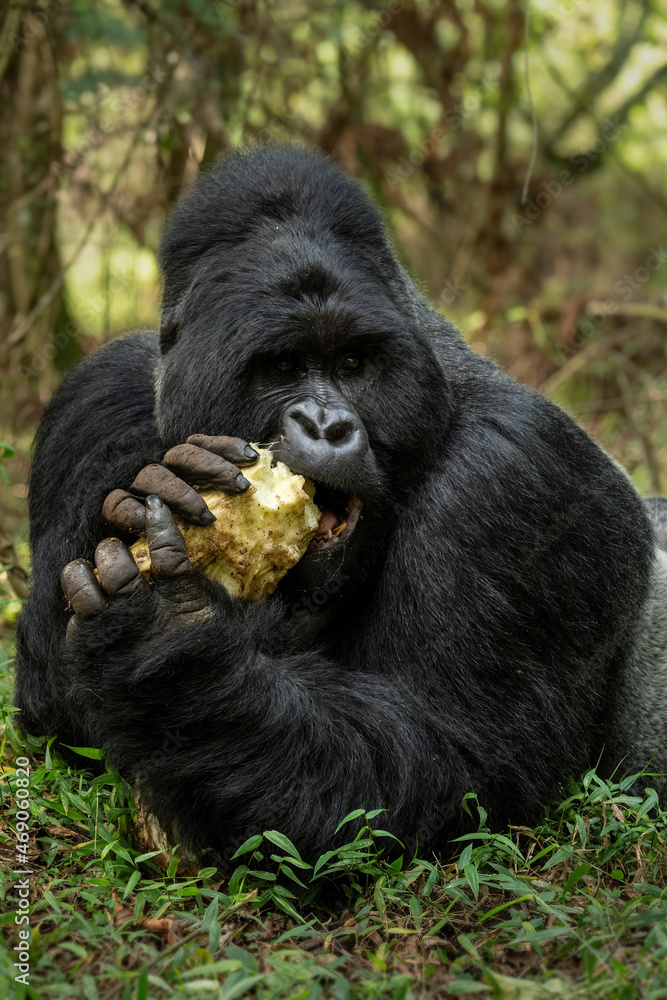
x=495 y=620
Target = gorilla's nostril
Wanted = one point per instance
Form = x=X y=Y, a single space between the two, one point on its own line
x=338 y=431
x=310 y=426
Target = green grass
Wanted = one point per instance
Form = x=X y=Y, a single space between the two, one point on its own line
x=574 y=908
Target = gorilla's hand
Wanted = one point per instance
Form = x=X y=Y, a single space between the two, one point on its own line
x=201 y=461
x=178 y=591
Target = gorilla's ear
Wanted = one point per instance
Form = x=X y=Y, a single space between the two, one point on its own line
x=173 y=314
x=170 y=327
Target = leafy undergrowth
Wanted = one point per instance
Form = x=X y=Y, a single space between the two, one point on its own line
x=573 y=908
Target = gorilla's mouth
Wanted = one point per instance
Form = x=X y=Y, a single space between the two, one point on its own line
x=340 y=516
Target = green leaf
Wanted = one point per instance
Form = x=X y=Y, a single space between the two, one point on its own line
x=286 y=907
x=355 y=814
x=304 y=930
x=146 y=857
x=564 y=854
x=206 y=872
x=400 y=992
x=466 y=855
x=288 y=871
x=581 y=830
x=579 y=872
x=430 y=882
x=142 y=984
x=264 y=876
x=432 y=931
x=462 y=987
x=283 y=842
x=250 y=845
x=472 y=878
x=91 y=752
x=224 y=965
x=504 y=906
x=214 y=934
x=131 y=882
x=589 y=960
x=210 y=915
x=385 y=833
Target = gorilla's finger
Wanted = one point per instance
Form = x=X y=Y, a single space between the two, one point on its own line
x=169 y=556
x=117 y=570
x=125 y=512
x=158 y=481
x=203 y=468
x=235 y=450
x=82 y=589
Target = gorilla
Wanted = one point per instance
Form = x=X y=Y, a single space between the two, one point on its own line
x=492 y=617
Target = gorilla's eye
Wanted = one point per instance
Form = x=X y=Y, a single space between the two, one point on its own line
x=284 y=366
x=351 y=362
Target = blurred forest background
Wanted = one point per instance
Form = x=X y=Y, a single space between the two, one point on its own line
x=521 y=164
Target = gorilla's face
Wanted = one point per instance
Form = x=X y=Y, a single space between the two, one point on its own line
x=318 y=427
x=301 y=347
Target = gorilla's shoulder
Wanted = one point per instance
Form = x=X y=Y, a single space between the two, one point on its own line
x=513 y=455
x=109 y=396
x=122 y=369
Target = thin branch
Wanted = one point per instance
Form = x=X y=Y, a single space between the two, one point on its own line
x=644 y=438
x=646 y=310
x=526 y=68
x=11 y=26
x=591 y=352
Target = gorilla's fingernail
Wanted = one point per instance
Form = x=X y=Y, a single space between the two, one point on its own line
x=208 y=517
x=241 y=483
x=250 y=453
x=153 y=502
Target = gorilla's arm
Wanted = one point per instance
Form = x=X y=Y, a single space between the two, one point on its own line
x=96 y=433
x=264 y=737
x=510 y=594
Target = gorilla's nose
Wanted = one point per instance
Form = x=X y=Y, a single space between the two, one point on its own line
x=319 y=430
x=330 y=423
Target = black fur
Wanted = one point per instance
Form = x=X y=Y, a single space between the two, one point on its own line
x=488 y=601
